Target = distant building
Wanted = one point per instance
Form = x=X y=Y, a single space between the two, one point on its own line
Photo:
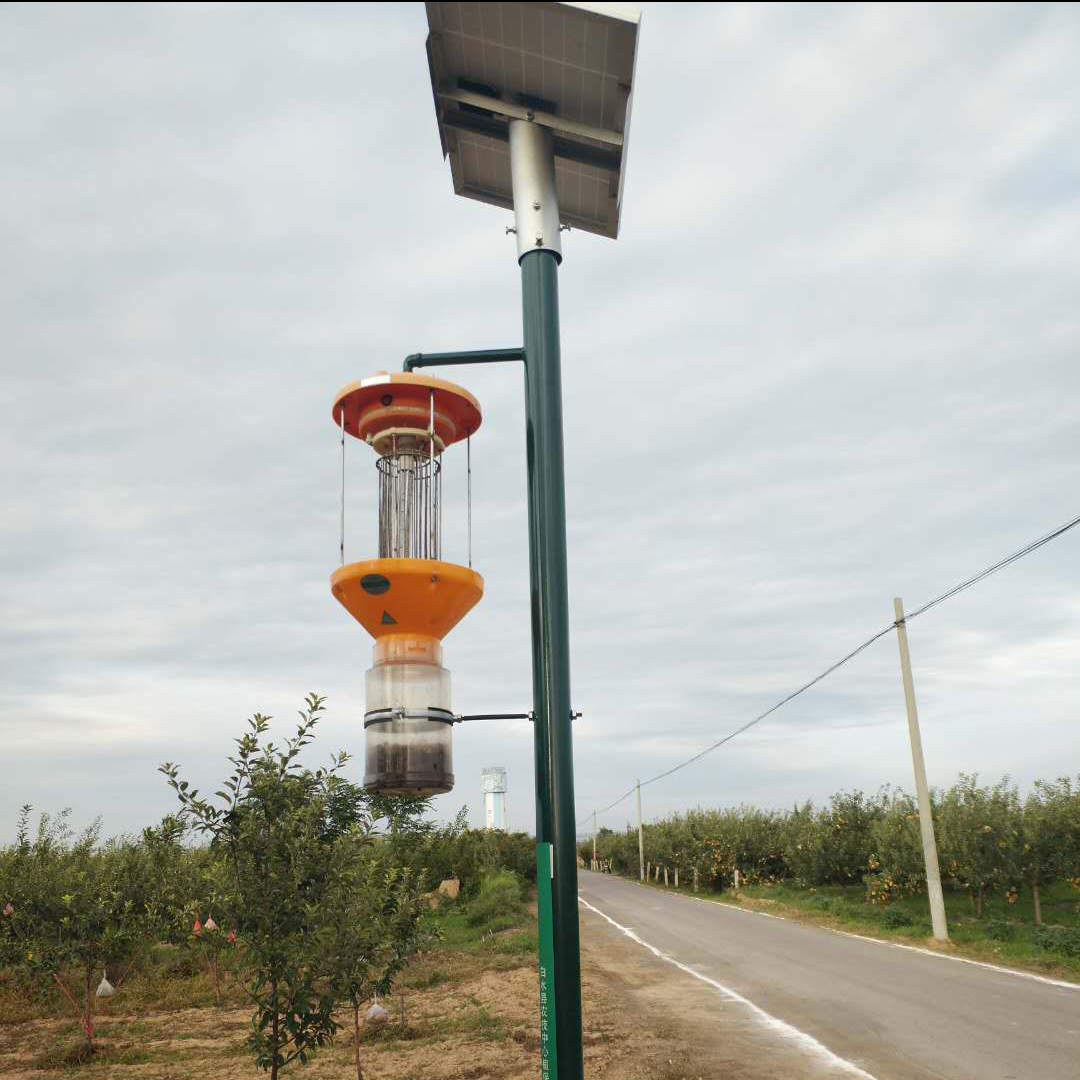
x=494 y=784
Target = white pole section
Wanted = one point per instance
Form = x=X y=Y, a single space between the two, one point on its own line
x=640 y=838
x=594 y=839
x=922 y=790
x=536 y=209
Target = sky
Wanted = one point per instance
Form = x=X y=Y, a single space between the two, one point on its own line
x=830 y=360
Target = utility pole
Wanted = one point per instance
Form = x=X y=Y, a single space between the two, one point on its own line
x=640 y=838
x=922 y=790
x=594 y=839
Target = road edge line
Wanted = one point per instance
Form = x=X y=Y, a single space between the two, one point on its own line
x=788 y=1031
x=959 y=959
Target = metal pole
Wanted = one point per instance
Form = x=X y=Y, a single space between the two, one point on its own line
x=594 y=839
x=640 y=837
x=922 y=790
x=536 y=212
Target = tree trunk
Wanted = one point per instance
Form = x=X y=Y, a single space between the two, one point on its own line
x=212 y=965
x=1037 y=901
x=274 y=1033
x=978 y=903
x=356 y=1036
x=88 y=1031
x=88 y=1015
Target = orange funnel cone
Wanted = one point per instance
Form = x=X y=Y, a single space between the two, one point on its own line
x=407 y=596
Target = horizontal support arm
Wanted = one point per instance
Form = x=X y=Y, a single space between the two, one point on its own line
x=522 y=112
x=450 y=359
x=582 y=153
x=494 y=716
x=504 y=716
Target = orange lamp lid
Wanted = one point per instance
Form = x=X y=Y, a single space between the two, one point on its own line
x=403 y=399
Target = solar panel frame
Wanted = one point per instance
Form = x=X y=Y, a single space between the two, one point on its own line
x=573 y=60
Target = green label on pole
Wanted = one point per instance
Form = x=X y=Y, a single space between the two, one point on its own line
x=549 y=1068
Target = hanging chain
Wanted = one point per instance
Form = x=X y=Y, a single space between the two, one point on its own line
x=468 y=493
x=342 y=544
x=431 y=472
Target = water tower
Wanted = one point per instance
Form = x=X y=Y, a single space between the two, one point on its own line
x=494 y=784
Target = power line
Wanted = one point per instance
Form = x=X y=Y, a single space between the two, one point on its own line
x=750 y=723
x=967 y=583
x=609 y=807
x=1027 y=549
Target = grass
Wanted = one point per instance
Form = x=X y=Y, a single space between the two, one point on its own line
x=496 y=922
x=1006 y=933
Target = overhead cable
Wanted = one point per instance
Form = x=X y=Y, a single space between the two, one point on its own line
x=967 y=583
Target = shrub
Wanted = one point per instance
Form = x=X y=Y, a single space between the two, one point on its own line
x=320 y=916
x=897 y=864
x=893 y=917
x=498 y=903
x=75 y=912
x=980 y=840
x=454 y=850
x=1059 y=939
x=833 y=845
x=1000 y=930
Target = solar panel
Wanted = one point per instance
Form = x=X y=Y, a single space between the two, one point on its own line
x=568 y=67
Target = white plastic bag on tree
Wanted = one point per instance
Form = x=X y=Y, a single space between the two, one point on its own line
x=376 y=1015
x=105 y=988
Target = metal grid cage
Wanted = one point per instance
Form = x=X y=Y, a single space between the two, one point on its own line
x=410 y=506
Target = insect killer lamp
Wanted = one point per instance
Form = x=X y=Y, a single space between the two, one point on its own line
x=408 y=598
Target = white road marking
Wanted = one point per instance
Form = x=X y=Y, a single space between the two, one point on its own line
x=807 y=1042
x=891 y=944
x=962 y=960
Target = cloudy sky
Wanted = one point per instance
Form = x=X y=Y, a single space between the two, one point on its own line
x=836 y=344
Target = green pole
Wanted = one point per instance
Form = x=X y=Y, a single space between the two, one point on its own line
x=555 y=819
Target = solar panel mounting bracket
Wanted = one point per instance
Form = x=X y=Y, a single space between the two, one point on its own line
x=512 y=111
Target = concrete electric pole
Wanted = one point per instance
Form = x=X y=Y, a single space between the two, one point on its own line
x=922 y=790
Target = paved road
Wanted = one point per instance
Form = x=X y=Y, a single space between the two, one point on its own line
x=897 y=1013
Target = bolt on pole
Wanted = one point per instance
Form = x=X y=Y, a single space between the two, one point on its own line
x=640 y=837
x=922 y=790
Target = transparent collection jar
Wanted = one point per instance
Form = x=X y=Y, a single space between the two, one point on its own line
x=409 y=722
